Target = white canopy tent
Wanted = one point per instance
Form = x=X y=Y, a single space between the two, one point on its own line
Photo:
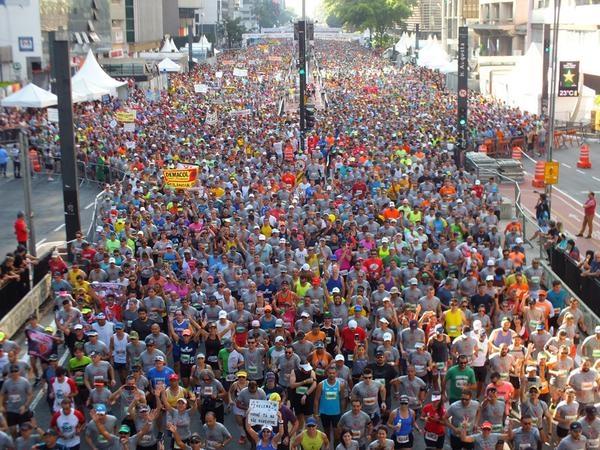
x=88 y=90
x=31 y=96
x=204 y=43
x=93 y=73
x=169 y=46
x=433 y=55
x=168 y=65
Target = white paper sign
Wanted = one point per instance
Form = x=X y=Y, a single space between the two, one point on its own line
x=240 y=72
x=113 y=123
x=200 y=88
x=52 y=115
x=211 y=118
x=263 y=412
x=129 y=127
x=219 y=74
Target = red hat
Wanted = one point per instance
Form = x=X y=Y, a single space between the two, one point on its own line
x=173 y=376
x=486 y=425
x=186 y=332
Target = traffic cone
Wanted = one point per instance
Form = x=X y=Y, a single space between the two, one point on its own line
x=517 y=153
x=584 y=157
x=538 y=178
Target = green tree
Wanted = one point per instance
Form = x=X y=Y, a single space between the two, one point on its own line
x=234 y=30
x=270 y=15
x=334 y=21
x=377 y=16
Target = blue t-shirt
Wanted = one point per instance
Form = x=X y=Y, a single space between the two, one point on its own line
x=156 y=376
x=558 y=299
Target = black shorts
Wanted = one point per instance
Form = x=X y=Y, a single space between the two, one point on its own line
x=13 y=419
x=480 y=373
x=439 y=443
x=407 y=444
x=515 y=381
x=329 y=421
x=561 y=432
x=120 y=366
x=457 y=444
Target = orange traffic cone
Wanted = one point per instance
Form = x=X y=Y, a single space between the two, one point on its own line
x=538 y=178
x=517 y=153
x=483 y=149
x=584 y=157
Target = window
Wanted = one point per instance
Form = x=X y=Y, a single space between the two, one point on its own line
x=129 y=21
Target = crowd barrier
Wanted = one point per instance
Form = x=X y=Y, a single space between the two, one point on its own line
x=585 y=288
x=14 y=318
x=13 y=292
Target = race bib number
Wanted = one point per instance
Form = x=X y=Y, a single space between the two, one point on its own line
x=504 y=376
x=370 y=401
x=380 y=381
x=596 y=353
x=587 y=386
x=208 y=391
x=350 y=357
x=212 y=359
x=337 y=321
x=356 y=434
x=497 y=428
x=571 y=418
x=320 y=372
x=419 y=368
x=301 y=390
x=252 y=370
x=185 y=359
x=331 y=395
x=401 y=438
x=593 y=443
x=14 y=398
x=431 y=436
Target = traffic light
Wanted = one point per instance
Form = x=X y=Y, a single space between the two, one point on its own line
x=462 y=117
x=546 y=45
x=310 y=118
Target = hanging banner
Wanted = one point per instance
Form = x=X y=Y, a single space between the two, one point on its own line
x=39 y=344
x=240 y=72
x=200 y=88
x=228 y=62
x=180 y=178
x=568 y=82
x=241 y=112
x=125 y=116
x=274 y=58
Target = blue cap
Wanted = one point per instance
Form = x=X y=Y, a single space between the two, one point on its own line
x=119 y=326
x=358 y=308
x=311 y=422
x=101 y=408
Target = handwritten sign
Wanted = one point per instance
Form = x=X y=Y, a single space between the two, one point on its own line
x=240 y=72
x=263 y=412
x=200 y=88
x=126 y=116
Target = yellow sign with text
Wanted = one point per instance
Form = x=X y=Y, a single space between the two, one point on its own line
x=126 y=116
x=551 y=172
x=181 y=178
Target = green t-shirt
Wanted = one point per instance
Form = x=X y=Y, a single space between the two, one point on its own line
x=224 y=358
x=457 y=380
x=76 y=365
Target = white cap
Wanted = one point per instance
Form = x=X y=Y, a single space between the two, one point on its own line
x=519 y=240
x=489 y=278
x=477 y=182
x=305 y=266
x=306 y=367
x=387 y=336
x=352 y=324
x=222 y=314
x=335 y=290
x=279 y=339
x=385 y=240
x=491 y=262
x=476 y=325
x=255 y=323
x=384 y=320
x=459 y=200
x=413 y=281
x=305 y=314
x=262 y=237
x=112 y=260
x=339 y=357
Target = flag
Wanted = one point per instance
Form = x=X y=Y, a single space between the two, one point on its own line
x=39 y=344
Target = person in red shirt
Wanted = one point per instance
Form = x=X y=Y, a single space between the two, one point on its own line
x=21 y=230
x=433 y=414
x=373 y=266
x=57 y=264
x=351 y=335
x=589 y=211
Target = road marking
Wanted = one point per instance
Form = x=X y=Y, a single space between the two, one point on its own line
x=560 y=191
x=89 y=206
x=525 y=172
x=596 y=178
x=60 y=227
x=580 y=171
x=567 y=166
x=38 y=243
x=573 y=216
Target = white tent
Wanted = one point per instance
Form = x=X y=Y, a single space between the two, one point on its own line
x=169 y=46
x=31 y=96
x=452 y=66
x=167 y=65
x=433 y=55
x=87 y=90
x=92 y=72
x=204 y=43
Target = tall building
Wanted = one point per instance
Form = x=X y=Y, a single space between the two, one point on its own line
x=502 y=27
x=147 y=21
x=21 y=48
x=455 y=14
x=428 y=15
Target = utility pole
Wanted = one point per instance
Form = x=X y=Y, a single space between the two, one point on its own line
x=553 y=87
x=61 y=67
x=462 y=94
x=190 y=44
x=302 y=73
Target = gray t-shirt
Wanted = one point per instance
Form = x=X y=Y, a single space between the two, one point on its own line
x=15 y=393
x=182 y=421
x=91 y=431
x=254 y=363
x=357 y=424
x=569 y=443
x=147 y=359
x=524 y=439
x=161 y=340
x=458 y=413
x=368 y=395
x=26 y=444
x=215 y=435
x=375 y=445
x=285 y=367
x=100 y=371
x=6 y=441
x=486 y=443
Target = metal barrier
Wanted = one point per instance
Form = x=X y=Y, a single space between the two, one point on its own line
x=16 y=316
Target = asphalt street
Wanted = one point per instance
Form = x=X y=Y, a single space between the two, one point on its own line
x=47 y=201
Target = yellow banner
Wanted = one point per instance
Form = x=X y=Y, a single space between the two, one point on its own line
x=180 y=178
x=125 y=116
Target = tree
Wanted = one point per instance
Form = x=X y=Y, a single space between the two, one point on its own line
x=269 y=14
x=234 y=31
x=334 y=21
x=377 y=16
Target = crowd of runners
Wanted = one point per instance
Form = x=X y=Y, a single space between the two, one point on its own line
x=364 y=284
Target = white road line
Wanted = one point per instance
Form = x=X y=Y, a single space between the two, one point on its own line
x=596 y=178
x=529 y=157
x=580 y=171
x=566 y=165
x=60 y=227
x=38 y=243
x=89 y=206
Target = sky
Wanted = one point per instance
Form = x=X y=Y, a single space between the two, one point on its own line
x=314 y=8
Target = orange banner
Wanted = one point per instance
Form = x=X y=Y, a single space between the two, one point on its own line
x=181 y=178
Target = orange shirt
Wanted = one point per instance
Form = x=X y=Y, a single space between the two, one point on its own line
x=312 y=337
x=447 y=190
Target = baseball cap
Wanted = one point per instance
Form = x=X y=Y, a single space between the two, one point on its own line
x=255 y=323
x=575 y=426
x=306 y=367
x=352 y=324
x=270 y=376
x=78 y=327
x=241 y=373
x=311 y=422
x=413 y=281
x=134 y=335
x=278 y=323
x=387 y=336
x=119 y=326
x=222 y=314
x=358 y=308
x=275 y=397
x=489 y=278
x=173 y=376
x=319 y=344
x=486 y=426
x=159 y=358
x=305 y=314
x=100 y=408
x=279 y=339
x=50 y=432
x=186 y=332
x=124 y=429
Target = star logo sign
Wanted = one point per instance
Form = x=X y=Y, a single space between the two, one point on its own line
x=569 y=78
